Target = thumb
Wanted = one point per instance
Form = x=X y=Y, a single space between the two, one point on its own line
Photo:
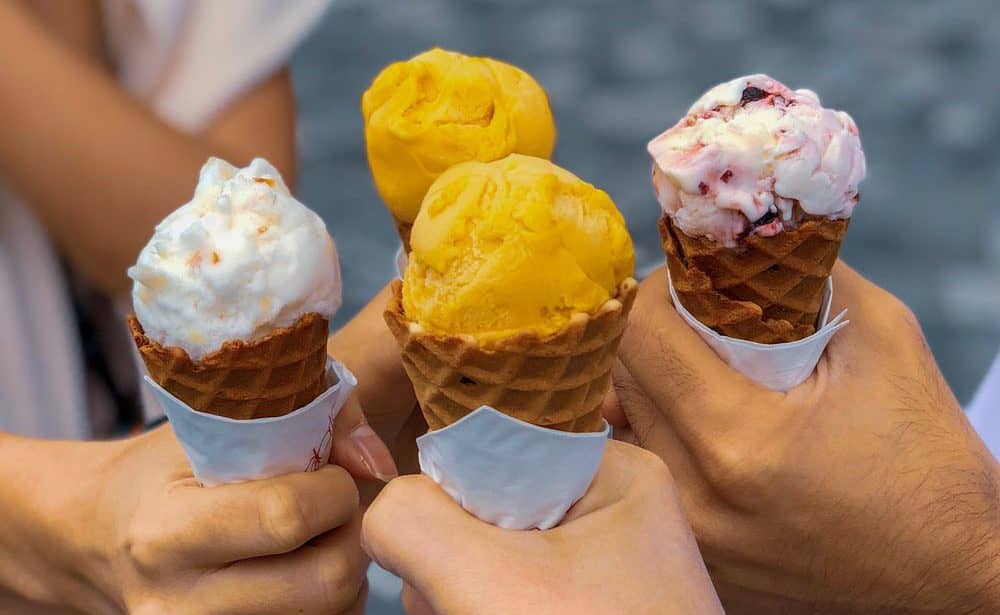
x=357 y=448
x=413 y=602
x=417 y=532
x=612 y=409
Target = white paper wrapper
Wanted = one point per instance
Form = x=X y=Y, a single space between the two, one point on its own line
x=400 y=261
x=780 y=367
x=223 y=450
x=512 y=474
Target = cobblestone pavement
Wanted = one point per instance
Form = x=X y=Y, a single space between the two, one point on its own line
x=918 y=76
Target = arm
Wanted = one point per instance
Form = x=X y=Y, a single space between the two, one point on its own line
x=99 y=168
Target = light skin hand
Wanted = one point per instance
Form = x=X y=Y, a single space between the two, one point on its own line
x=626 y=547
x=124 y=527
x=112 y=168
x=863 y=490
x=357 y=448
x=367 y=347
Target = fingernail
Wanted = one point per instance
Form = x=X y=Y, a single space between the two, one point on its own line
x=374 y=453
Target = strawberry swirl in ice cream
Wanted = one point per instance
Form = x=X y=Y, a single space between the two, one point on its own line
x=754 y=157
x=240 y=260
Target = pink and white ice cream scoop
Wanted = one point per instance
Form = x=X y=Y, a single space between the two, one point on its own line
x=753 y=156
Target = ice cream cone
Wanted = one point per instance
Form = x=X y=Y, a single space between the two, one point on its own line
x=757 y=185
x=557 y=381
x=440 y=108
x=768 y=290
x=269 y=377
x=404 y=228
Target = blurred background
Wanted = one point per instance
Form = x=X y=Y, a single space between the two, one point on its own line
x=914 y=75
x=917 y=76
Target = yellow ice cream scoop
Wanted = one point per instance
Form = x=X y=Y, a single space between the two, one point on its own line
x=514 y=245
x=440 y=108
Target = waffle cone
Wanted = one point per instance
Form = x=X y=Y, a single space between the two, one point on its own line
x=558 y=381
x=270 y=377
x=404 y=229
x=769 y=291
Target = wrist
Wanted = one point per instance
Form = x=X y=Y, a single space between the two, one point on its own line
x=983 y=561
x=53 y=547
x=974 y=562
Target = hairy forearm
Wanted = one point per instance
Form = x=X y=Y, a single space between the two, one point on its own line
x=98 y=167
x=953 y=547
x=51 y=543
x=982 y=562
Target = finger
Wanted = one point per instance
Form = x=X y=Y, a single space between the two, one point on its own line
x=612 y=409
x=195 y=526
x=368 y=348
x=850 y=289
x=675 y=367
x=641 y=413
x=357 y=448
x=404 y=449
x=609 y=483
x=622 y=468
x=413 y=602
x=655 y=433
x=324 y=576
x=413 y=523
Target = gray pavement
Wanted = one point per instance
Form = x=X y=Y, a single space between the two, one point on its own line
x=917 y=76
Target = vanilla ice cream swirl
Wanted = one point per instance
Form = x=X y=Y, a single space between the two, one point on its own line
x=238 y=261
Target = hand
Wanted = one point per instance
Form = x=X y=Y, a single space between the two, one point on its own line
x=863 y=490
x=357 y=448
x=145 y=537
x=624 y=548
x=367 y=347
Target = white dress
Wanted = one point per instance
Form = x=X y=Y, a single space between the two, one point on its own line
x=187 y=60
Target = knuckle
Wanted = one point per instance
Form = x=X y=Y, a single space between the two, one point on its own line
x=282 y=517
x=400 y=489
x=644 y=462
x=900 y=311
x=145 y=545
x=893 y=312
x=380 y=516
x=655 y=470
x=411 y=600
x=341 y=483
x=339 y=581
x=152 y=603
x=911 y=323
x=732 y=467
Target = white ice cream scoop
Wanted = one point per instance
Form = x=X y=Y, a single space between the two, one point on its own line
x=238 y=261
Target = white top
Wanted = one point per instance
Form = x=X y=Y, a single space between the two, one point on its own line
x=984 y=411
x=187 y=60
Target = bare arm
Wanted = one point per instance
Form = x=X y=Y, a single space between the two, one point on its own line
x=98 y=167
